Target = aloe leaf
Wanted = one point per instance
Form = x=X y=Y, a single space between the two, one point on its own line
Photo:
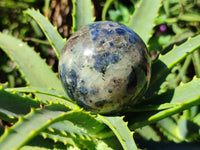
x=148 y=133
x=94 y=130
x=56 y=137
x=27 y=128
x=102 y=145
x=179 y=129
x=76 y=141
x=191 y=17
x=51 y=92
x=54 y=94
x=39 y=143
x=177 y=95
x=149 y=107
x=36 y=72
x=67 y=128
x=164 y=114
x=104 y=138
x=56 y=41
x=196 y=120
x=82 y=13
x=169 y=60
x=122 y=132
x=169 y=128
x=12 y=105
x=187 y=130
x=142 y=21
x=196 y=62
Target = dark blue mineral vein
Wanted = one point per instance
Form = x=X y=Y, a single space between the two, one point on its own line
x=111 y=25
x=69 y=85
x=62 y=75
x=114 y=58
x=107 y=33
x=83 y=90
x=95 y=34
x=132 y=36
x=132 y=39
x=94 y=26
x=93 y=91
x=102 y=41
x=120 y=31
x=73 y=77
x=103 y=60
x=111 y=44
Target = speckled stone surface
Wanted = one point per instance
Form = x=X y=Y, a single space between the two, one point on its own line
x=104 y=67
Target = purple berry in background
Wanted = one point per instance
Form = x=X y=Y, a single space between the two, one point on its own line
x=163 y=28
x=105 y=67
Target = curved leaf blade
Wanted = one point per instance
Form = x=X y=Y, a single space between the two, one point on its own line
x=56 y=41
x=178 y=95
x=142 y=21
x=178 y=53
x=52 y=93
x=36 y=72
x=12 y=105
x=26 y=128
x=122 y=132
x=169 y=60
x=82 y=13
x=39 y=119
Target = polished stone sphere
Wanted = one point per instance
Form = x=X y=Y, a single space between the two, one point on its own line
x=105 y=67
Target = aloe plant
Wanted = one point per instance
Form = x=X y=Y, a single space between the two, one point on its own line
x=42 y=116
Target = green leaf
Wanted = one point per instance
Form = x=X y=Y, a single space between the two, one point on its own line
x=178 y=53
x=26 y=128
x=150 y=107
x=51 y=92
x=39 y=143
x=196 y=62
x=148 y=133
x=169 y=128
x=76 y=141
x=39 y=119
x=56 y=41
x=36 y=72
x=82 y=13
x=120 y=14
x=54 y=94
x=179 y=128
x=169 y=60
x=68 y=128
x=12 y=105
x=142 y=21
x=122 y=132
x=55 y=136
x=196 y=120
x=178 y=95
x=95 y=129
x=189 y=17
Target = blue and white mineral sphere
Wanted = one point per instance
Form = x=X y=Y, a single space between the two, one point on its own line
x=105 y=67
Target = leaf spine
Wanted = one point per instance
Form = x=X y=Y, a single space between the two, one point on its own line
x=73 y=135
x=51 y=129
x=64 y=133
x=44 y=135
